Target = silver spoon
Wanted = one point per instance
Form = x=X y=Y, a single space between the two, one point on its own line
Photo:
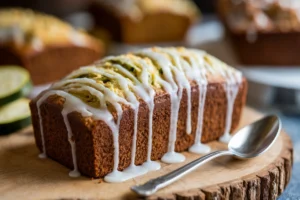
x=250 y=141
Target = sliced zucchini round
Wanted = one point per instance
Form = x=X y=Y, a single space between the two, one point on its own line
x=14 y=83
x=14 y=116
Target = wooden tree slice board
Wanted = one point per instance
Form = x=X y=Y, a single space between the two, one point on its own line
x=24 y=176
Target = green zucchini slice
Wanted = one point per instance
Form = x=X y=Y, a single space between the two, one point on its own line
x=14 y=83
x=14 y=116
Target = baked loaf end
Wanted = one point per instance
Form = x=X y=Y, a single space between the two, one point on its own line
x=76 y=121
x=44 y=44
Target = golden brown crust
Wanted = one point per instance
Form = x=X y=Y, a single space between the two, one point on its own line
x=94 y=142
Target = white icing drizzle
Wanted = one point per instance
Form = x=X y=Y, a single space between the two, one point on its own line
x=181 y=78
x=132 y=78
x=133 y=169
x=106 y=117
x=77 y=38
x=71 y=104
x=231 y=87
x=175 y=91
x=39 y=102
x=199 y=75
x=75 y=172
x=148 y=99
x=37 y=44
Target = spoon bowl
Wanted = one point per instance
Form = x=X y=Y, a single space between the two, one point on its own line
x=250 y=141
x=256 y=138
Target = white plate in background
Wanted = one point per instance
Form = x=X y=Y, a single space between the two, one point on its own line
x=284 y=77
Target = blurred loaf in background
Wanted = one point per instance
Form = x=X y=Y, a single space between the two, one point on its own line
x=46 y=46
x=144 y=21
x=264 y=32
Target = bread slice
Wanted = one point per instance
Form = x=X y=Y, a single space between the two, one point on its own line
x=93 y=138
x=46 y=46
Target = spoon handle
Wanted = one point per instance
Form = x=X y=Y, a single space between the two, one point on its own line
x=153 y=185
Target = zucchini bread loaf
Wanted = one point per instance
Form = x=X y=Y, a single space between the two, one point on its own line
x=263 y=32
x=124 y=112
x=46 y=46
x=144 y=21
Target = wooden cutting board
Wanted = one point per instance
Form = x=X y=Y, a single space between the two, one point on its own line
x=24 y=176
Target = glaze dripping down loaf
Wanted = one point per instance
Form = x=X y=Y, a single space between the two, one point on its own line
x=129 y=110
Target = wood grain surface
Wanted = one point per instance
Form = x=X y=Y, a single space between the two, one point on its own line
x=24 y=176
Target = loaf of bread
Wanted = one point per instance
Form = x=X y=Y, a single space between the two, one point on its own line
x=144 y=21
x=46 y=46
x=124 y=112
x=263 y=32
